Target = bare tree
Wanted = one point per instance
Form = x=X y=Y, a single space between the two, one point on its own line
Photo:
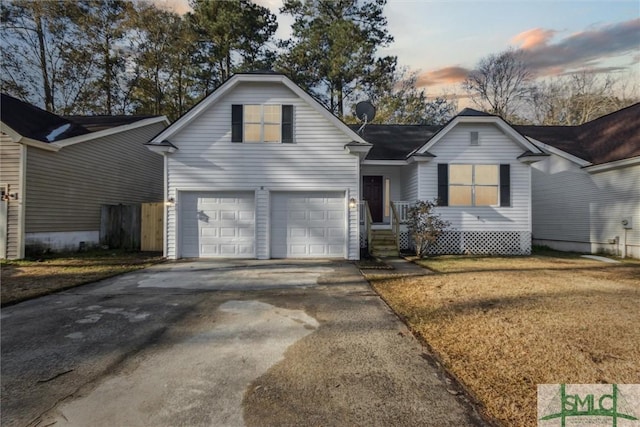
x=578 y=98
x=402 y=102
x=499 y=83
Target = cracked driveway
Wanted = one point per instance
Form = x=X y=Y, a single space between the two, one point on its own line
x=220 y=343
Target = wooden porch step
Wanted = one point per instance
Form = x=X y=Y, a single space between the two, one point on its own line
x=383 y=243
x=385 y=252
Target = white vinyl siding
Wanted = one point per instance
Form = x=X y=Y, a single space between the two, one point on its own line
x=495 y=148
x=308 y=224
x=207 y=160
x=65 y=189
x=10 y=171
x=218 y=224
x=410 y=182
x=571 y=206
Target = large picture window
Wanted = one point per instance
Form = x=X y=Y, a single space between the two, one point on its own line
x=474 y=185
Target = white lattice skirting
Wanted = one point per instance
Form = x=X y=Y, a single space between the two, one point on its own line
x=477 y=242
x=473 y=242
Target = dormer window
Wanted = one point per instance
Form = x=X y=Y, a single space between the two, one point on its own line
x=256 y=123
x=474 y=138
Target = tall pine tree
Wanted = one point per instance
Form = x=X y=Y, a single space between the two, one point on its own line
x=333 y=48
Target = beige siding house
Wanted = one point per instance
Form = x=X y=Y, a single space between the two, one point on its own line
x=56 y=173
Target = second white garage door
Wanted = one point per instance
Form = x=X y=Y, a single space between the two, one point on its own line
x=220 y=224
x=307 y=224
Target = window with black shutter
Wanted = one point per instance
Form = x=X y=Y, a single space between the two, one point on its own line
x=474 y=185
x=256 y=123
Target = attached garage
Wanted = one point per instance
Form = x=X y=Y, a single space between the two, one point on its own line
x=217 y=224
x=308 y=224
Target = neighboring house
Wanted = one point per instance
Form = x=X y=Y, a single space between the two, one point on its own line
x=56 y=172
x=586 y=195
x=260 y=169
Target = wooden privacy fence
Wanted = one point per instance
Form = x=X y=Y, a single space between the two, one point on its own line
x=132 y=227
x=152 y=222
x=120 y=226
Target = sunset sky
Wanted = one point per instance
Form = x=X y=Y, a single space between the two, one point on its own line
x=444 y=39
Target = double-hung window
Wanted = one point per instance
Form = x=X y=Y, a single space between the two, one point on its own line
x=254 y=123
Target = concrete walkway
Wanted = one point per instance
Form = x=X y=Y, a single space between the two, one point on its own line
x=396 y=266
x=222 y=343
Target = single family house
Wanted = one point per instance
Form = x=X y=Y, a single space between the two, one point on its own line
x=260 y=169
x=56 y=172
x=586 y=194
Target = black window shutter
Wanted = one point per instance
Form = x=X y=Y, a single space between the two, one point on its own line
x=236 y=123
x=287 y=124
x=443 y=184
x=505 y=185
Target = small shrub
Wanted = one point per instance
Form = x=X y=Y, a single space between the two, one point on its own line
x=425 y=225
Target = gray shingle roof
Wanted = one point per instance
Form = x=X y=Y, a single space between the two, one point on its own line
x=97 y=123
x=35 y=123
x=615 y=136
x=395 y=142
x=612 y=137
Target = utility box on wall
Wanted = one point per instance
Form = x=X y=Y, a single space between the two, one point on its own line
x=627 y=223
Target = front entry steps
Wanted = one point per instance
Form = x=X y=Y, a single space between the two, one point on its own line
x=383 y=243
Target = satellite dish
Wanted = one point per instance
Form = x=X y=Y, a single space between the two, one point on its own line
x=365 y=111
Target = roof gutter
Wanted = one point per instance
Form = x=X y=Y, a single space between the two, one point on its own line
x=19 y=139
x=617 y=164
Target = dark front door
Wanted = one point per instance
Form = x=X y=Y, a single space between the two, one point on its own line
x=372 y=193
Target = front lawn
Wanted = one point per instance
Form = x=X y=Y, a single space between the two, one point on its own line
x=25 y=279
x=502 y=325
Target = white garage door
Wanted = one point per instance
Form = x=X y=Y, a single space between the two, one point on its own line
x=220 y=224
x=308 y=224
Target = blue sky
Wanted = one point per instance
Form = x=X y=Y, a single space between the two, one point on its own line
x=444 y=39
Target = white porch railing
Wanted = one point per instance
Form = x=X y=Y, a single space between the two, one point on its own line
x=402 y=212
x=402 y=209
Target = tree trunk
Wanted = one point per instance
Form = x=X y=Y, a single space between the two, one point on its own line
x=48 y=92
x=340 y=102
x=107 y=72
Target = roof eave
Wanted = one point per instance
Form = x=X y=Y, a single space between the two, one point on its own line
x=421 y=157
x=616 y=164
x=359 y=149
x=111 y=131
x=19 y=139
x=558 y=152
x=529 y=158
x=164 y=147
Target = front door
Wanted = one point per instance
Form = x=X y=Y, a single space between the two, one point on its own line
x=372 y=193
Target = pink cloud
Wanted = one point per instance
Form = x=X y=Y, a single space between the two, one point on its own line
x=447 y=75
x=533 y=38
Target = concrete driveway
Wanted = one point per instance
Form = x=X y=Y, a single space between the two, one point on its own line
x=221 y=343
